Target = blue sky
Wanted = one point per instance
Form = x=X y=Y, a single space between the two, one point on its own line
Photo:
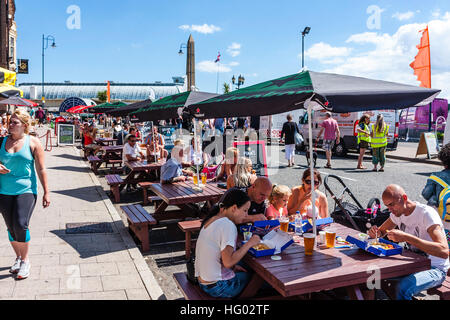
x=138 y=40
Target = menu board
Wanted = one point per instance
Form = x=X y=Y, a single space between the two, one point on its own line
x=66 y=134
x=427 y=145
x=256 y=152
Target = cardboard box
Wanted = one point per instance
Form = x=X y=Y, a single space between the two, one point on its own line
x=365 y=245
x=278 y=239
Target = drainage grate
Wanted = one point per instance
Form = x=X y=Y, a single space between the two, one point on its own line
x=88 y=227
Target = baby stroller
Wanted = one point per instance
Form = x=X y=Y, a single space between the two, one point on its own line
x=353 y=215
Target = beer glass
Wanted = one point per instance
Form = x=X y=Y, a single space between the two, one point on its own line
x=195 y=179
x=203 y=178
x=284 y=223
x=308 y=241
x=330 y=237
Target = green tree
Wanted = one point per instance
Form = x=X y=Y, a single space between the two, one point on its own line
x=226 y=87
x=102 y=96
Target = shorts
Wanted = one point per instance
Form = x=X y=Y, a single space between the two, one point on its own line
x=363 y=145
x=16 y=211
x=290 y=148
x=328 y=145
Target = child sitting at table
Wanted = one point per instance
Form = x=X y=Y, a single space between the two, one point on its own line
x=278 y=202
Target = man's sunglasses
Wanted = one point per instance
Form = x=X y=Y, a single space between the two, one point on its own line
x=308 y=182
x=132 y=140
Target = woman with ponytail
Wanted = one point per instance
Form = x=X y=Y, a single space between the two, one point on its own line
x=216 y=262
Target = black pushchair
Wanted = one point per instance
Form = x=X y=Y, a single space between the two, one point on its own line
x=354 y=215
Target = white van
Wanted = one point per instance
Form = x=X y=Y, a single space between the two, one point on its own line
x=347 y=126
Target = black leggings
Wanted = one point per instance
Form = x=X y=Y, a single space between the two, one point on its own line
x=16 y=211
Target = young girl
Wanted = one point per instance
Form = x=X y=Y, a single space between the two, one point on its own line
x=216 y=263
x=278 y=202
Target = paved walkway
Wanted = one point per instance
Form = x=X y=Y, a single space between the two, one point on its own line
x=77 y=266
x=407 y=151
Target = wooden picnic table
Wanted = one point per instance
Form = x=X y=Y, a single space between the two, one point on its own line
x=182 y=194
x=141 y=171
x=296 y=274
x=112 y=153
x=106 y=141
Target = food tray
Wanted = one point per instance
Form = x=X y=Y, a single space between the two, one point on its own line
x=376 y=251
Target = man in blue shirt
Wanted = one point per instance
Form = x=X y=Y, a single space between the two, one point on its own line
x=172 y=170
x=219 y=125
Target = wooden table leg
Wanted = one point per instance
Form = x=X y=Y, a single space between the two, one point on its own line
x=188 y=245
x=252 y=288
x=354 y=293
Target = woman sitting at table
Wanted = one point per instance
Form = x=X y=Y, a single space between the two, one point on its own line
x=227 y=168
x=242 y=176
x=217 y=258
x=172 y=170
x=300 y=199
x=89 y=140
x=158 y=146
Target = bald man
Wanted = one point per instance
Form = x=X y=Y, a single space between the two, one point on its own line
x=422 y=229
x=258 y=193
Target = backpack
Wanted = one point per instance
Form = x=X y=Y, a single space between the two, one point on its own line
x=444 y=197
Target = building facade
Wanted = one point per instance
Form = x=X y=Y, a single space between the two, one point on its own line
x=8 y=35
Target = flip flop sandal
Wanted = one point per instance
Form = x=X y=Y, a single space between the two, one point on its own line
x=375 y=170
x=381 y=170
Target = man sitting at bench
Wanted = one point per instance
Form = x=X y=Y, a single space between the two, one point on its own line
x=131 y=152
x=421 y=228
x=172 y=170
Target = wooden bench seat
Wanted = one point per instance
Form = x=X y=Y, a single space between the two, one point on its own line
x=138 y=221
x=444 y=290
x=94 y=162
x=188 y=227
x=191 y=291
x=145 y=186
x=114 y=181
x=116 y=166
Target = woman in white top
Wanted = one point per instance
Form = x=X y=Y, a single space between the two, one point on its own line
x=216 y=262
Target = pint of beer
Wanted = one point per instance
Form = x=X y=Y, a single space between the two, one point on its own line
x=204 y=178
x=330 y=237
x=284 y=223
x=309 y=239
x=195 y=179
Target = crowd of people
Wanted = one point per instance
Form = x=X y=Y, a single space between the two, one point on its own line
x=249 y=198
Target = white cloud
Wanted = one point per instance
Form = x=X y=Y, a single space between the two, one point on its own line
x=212 y=67
x=234 y=49
x=436 y=13
x=323 y=51
x=403 y=16
x=233 y=64
x=387 y=56
x=205 y=28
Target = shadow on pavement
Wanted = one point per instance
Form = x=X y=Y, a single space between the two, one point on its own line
x=70 y=168
x=68 y=156
x=89 y=194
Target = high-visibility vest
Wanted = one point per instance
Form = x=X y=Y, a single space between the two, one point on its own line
x=379 y=140
x=363 y=136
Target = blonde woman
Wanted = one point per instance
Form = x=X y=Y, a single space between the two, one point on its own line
x=379 y=137
x=242 y=176
x=22 y=161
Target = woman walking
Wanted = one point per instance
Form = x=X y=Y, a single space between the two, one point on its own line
x=289 y=130
x=217 y=258
x=20 y=155
x=379 y=142
x=363 y=138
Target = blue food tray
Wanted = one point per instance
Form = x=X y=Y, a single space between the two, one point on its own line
x=378 y=252
x=307 y=227
x=266 y=224
x=269 y=252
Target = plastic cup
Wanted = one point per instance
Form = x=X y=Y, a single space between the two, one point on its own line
x=284 y=223
x=330 y=237
x=322 y=236
x=308 y=240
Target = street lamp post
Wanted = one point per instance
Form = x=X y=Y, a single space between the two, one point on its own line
x=240 y=81
x=304 y=33
x=45 y=41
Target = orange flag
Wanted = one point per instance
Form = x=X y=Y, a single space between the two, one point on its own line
x=422 y=62
x=108 y=92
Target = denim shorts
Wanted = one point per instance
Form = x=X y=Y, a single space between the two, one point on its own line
x=415 y=283
x=228 y=288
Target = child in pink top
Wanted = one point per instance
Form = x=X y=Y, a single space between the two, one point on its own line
x=278 y=202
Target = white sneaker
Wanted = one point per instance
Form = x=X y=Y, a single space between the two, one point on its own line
x=16 y=266
x=24 y=271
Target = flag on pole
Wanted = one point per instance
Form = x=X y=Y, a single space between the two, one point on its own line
x=218 y=58
x=422 y=62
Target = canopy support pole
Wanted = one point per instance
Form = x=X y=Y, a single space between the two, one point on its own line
x=313 y=193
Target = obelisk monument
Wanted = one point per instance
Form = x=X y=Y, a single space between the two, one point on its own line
x=190 y=64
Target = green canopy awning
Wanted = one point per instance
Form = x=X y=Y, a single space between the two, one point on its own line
x=102 y=108
x=167 y=108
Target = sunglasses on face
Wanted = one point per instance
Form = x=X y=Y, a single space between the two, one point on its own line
x=308 y=182
x=132 y=140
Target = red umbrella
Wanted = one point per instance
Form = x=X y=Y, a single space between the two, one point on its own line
x=77 y=109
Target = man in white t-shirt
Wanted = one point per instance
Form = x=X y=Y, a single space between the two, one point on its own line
x=422 y=229
x=131 y=152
